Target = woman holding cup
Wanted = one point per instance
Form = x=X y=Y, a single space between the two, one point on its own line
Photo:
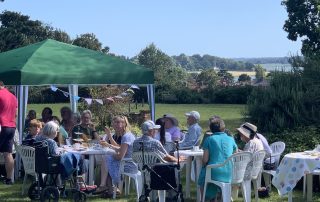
x=123 y=149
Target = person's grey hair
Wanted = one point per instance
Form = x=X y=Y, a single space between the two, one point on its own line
x=50 y=129
x=216 y=124
x=76 y=115
x=87 y=111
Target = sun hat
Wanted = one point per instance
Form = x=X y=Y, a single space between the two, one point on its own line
x=247 y=128
x=172 y=118
x=149 y=125
x=194 y=114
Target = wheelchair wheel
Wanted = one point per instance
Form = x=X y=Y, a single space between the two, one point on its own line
x=34 y=191
x=79 y=196
x=49 y=194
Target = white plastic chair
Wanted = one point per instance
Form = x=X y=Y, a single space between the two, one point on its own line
x=239 y=162
x=257 y=160
x=277 y=149
x=136 y=177
x=150 y=158
x=28 y=158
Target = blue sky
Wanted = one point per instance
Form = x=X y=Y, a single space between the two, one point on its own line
x=250 y=28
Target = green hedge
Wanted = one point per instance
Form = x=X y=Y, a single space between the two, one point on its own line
x=297 y=140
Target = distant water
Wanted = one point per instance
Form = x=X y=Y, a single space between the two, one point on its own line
x=277 y=67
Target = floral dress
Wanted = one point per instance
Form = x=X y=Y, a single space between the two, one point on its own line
x=114 y=164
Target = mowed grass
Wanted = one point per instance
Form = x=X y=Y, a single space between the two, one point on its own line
x=232 y=114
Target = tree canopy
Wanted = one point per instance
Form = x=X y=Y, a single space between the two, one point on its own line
x=303 y=22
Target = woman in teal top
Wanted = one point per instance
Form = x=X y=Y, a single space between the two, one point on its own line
x=217 y=148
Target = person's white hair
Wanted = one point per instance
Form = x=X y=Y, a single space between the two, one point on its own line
x=87 y=111
x=50 y=129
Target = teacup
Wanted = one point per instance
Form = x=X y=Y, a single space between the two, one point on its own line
x=195 y=148
x=76 y=146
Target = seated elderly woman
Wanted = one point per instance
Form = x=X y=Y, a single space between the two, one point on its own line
x=124 y=150
x=247 y=132
x=217 y=148
x=49 y=132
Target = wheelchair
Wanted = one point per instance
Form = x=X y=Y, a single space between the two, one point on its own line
x=48 y=168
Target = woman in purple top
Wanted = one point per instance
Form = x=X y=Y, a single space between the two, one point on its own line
x=171 y=125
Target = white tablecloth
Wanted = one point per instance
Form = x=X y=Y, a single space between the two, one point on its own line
x=292 y=168
x=198 y=158
x=91 y=152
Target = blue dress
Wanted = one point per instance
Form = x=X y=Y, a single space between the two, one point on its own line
x=220 y=147
x=114 y=164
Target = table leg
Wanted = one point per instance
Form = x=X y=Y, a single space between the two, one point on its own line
x=309 y=187
x=290 y=196
x=197 y=172
x=91 y=170
x=188 y=176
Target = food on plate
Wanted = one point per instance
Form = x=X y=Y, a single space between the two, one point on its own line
x=78 y=140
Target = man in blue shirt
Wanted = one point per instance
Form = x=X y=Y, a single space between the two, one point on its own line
x=194 y=130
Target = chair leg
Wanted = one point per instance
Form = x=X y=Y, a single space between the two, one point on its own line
x=226 y=193
x=162 y=195
x=246 y=186
x=136 y=180
x=24 y=183
x=304 y=186
x=203 y=197
x=255 y=188
x=126 y=185
x=267 y=179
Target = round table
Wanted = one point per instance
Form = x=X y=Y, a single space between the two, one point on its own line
x=198 y=158
x=292 y=168
x=91 y=152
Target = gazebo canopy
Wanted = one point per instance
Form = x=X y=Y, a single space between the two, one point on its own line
x=52 y=62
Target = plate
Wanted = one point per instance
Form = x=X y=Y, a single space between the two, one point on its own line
x=78 y=140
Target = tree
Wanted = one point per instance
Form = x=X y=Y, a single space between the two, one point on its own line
x=244 y=78
x=225 y=77
x=208 y=79
x=260 y=73
x=89 y=41
x=18 y=30
x=168 y=77
x=304 y=22
x=60 y=35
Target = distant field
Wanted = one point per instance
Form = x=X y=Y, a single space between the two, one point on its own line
x=238 y=73
x=232 y=114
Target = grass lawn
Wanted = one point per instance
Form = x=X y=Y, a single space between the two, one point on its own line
x=231 y=114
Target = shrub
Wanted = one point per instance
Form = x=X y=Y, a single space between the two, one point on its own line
x=279 y=106
x=297 y=140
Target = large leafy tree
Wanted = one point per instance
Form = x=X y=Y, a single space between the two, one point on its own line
x=168 y=77
x=88 y=40
x=208 y=79
x=225 y=77
x=19 y=30
x=303 y=22
x=260 y=73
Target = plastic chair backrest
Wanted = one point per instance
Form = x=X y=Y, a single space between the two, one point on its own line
x=149 y=158
x=170 y=147
x=277 y=149
x=239 y=163
x=257 y=159
x=28 y=158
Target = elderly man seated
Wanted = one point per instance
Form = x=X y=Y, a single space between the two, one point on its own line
x=194 y=130
x=150 y=144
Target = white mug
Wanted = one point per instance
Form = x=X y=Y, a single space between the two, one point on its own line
x=195 y=148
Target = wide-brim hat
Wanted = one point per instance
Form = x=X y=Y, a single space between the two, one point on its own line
x=172 y=118
x=246 y=129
